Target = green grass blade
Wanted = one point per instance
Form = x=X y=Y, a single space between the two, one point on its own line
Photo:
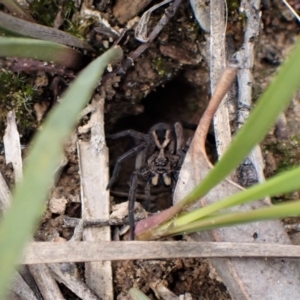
x=273 y=101
x=21 y=219
x=290 y=209
x=41 y=50
x=136 y=294
x=282 y=183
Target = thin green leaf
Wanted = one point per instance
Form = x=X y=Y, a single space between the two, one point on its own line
x=21 y=219
x=290 y=209
x=41 y=50
x=136 y=294
x=282 y=183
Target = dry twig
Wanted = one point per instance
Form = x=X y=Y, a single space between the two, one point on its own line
x=93 y=162
x=128 y=62
x=47 y=252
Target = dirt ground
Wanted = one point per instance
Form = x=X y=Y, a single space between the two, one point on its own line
x=168 y=83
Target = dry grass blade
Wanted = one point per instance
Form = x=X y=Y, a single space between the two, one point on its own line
x=94 y=176
x=76 y=285
x=45 y=281
x=28 y=29
x=4 y=194
x=12 y=146
x=47 y=252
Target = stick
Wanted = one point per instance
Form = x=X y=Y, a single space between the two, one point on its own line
x=94 y=176
x=47 y=252
x=128 y=62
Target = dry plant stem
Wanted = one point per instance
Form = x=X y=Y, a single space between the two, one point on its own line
x=223 y=85
x=292 y=10
x=217 y=63
x=26 y=274
x=93 y=161
x=4 y=195
x=45 y=281
x=68 y=271
x=128 y=62
x=21 y=288
x=47 y=252
x=73 y=222
x=12 y=296
x=12 y=146
x=162 y=291
x=245 y=57
x=77 y=286
x=141 y=30
x=78 y=232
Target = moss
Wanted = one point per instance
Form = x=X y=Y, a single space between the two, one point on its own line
x=159 y=66
x=17 y=93
x=244 y=20
x=233 y=5
x=78 y=26
x=45 y=12
x=287 y=154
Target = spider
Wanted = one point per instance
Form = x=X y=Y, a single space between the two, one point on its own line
x=159 y=156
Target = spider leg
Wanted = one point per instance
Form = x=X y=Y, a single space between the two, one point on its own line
x=179 y=137
x=139 y=162
x=147 y=194
x=131 y=201
x=132 y=133
x=120 y=159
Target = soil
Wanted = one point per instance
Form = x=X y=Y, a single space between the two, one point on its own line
x=168 y=83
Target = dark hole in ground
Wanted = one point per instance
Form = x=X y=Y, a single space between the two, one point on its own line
x=177 y=101
x=167 y=104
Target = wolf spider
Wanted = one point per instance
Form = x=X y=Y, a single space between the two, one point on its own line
x=159 y=156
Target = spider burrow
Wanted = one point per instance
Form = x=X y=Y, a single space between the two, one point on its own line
x=159 y=156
